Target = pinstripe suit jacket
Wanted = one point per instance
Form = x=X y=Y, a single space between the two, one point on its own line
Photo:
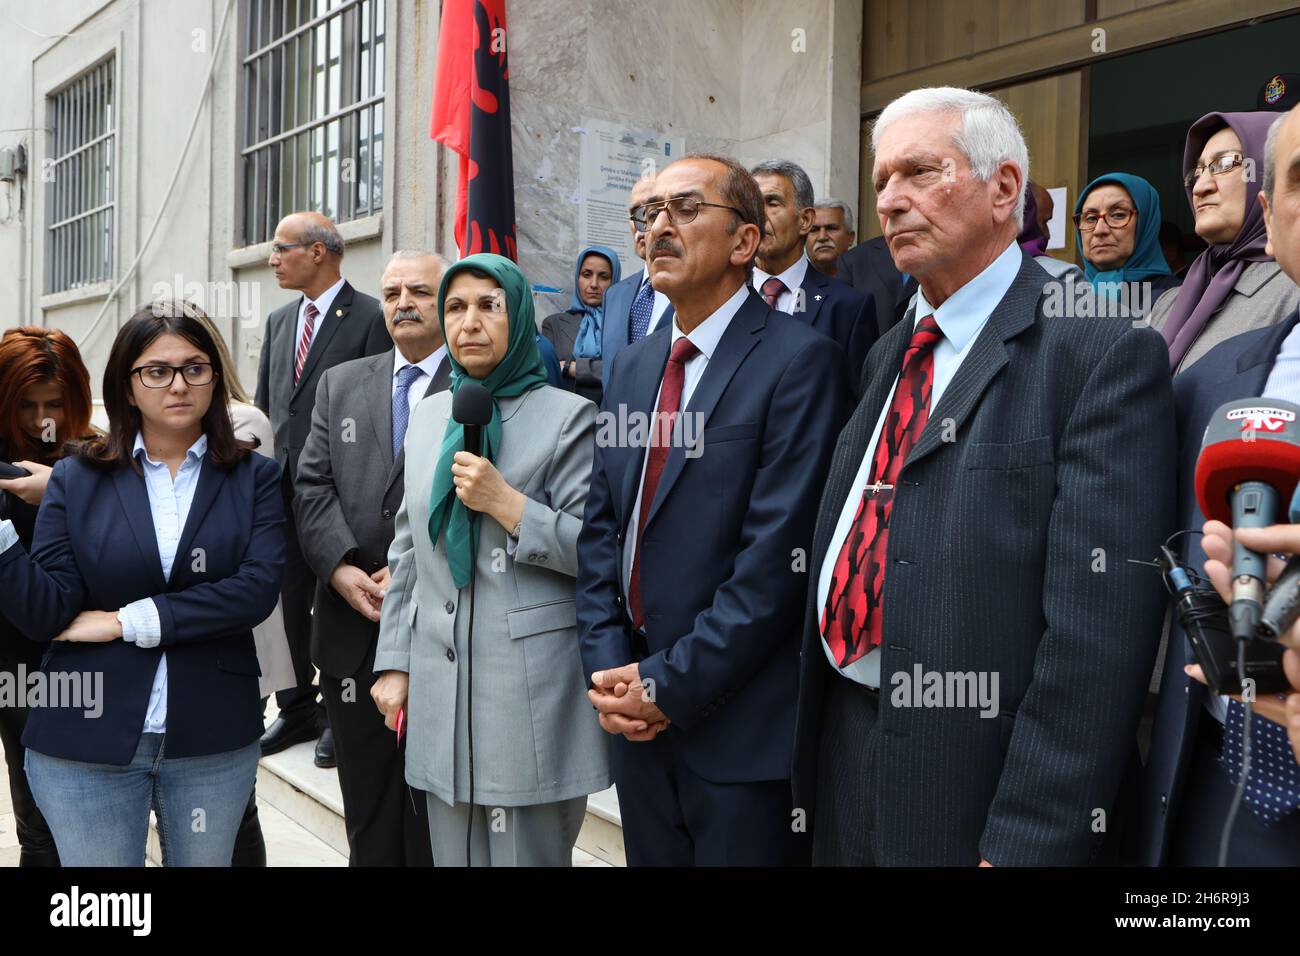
x=1059 y=462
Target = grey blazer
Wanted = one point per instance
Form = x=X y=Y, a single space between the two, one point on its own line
x=1263 y=296
x=536 y=737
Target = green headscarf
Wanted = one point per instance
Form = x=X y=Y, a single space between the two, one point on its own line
x=520 y=370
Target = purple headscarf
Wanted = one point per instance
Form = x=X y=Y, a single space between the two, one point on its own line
x=1216 y=270
x=1031 y=239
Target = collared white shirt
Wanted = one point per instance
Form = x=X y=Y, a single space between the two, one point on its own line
x=961 y=318
x=169 y=503
x=421 y=382
x=322 y=303
x=661 y=301
x=793 y=280
x=704 y=337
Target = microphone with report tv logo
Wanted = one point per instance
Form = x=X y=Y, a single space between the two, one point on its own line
x=1250 y=460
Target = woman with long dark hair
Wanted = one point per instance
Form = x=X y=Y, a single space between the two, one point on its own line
x=44 y=402
x=157 y=549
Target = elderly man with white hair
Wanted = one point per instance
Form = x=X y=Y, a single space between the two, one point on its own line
x=978 y=639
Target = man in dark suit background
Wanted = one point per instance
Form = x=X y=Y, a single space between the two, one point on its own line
x=329 y=323
x=977 y=644
x=1187 y=789
x=786 y=279
x=633 y=308
x=869 y=268
x=691 y=569
x=350 y=485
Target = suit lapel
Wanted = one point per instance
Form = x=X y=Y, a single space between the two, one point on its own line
x=737 y=341
x=379 y=402
x=338 y=314
x=814 y=295
x=1265 y=351
x=1016 y=312
x=211 y=479
x=133 y=494
x=644 y=378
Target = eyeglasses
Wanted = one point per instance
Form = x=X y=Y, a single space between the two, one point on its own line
x=1117 y=217
x=280 y=248
x=1223 y=163
x=681 y=210
x=161 y=376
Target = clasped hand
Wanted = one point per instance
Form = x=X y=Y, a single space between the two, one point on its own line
x=625 y=704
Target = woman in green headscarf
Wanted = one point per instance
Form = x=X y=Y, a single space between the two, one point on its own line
x=492 y=540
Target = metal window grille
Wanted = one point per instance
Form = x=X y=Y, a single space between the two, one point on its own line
x=313 y=104
x=80 y=181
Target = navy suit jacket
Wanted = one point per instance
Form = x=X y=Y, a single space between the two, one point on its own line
x=723 y=568
x=870 y=268
x=1237 y=368
x=841 y=312
x=95 y=549
x=618 y=308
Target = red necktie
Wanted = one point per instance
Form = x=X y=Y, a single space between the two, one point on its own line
x=772 y=289
x=670 y=403
x=304 y=343
x=852 y=619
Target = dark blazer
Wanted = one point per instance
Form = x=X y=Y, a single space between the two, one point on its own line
x=95 y=550
x=347 y=494
x=618 y=310
x=561 y=330
x=15 y=648
x=1064 y=444
x=869 y=268
x=355 y=328
x=1235 y=368
x=721 y=600
x=841 y=312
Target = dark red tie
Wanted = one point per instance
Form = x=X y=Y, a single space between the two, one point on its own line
x=772 y=289
x=852 y=619
x=304 y=343
x=670 y=403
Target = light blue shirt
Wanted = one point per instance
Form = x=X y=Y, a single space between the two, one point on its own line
x=169 y=502
x=705 y=337
x=961 y=318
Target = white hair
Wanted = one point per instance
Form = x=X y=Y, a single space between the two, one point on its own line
x=419 y=254
x=989 y=134
x=841 y=205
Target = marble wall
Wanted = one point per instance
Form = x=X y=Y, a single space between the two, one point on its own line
x=754 y=79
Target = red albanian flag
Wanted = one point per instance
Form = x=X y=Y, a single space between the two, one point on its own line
x=471 y=117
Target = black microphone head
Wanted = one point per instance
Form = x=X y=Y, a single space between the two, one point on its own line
x=472 y=405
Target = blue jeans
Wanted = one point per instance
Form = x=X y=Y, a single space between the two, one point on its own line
x=99 y=813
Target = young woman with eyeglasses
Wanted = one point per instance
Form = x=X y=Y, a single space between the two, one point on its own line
x=157 y=550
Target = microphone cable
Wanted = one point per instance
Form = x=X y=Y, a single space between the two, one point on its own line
x=469 y=689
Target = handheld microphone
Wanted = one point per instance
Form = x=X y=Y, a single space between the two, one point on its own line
x=1282 y=606
x=1249 y=459
x=471 y=406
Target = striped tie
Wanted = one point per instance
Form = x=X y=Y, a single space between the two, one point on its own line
x=304 y=343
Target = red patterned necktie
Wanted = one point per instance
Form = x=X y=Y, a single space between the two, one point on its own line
x=304 y=343
x=852 y=619
x=670 y=402
x=772 y=289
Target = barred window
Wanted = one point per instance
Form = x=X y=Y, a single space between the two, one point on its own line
x=313 y=103
x=81 y=118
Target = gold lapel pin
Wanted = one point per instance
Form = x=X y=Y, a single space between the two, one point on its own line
x=338 y=312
